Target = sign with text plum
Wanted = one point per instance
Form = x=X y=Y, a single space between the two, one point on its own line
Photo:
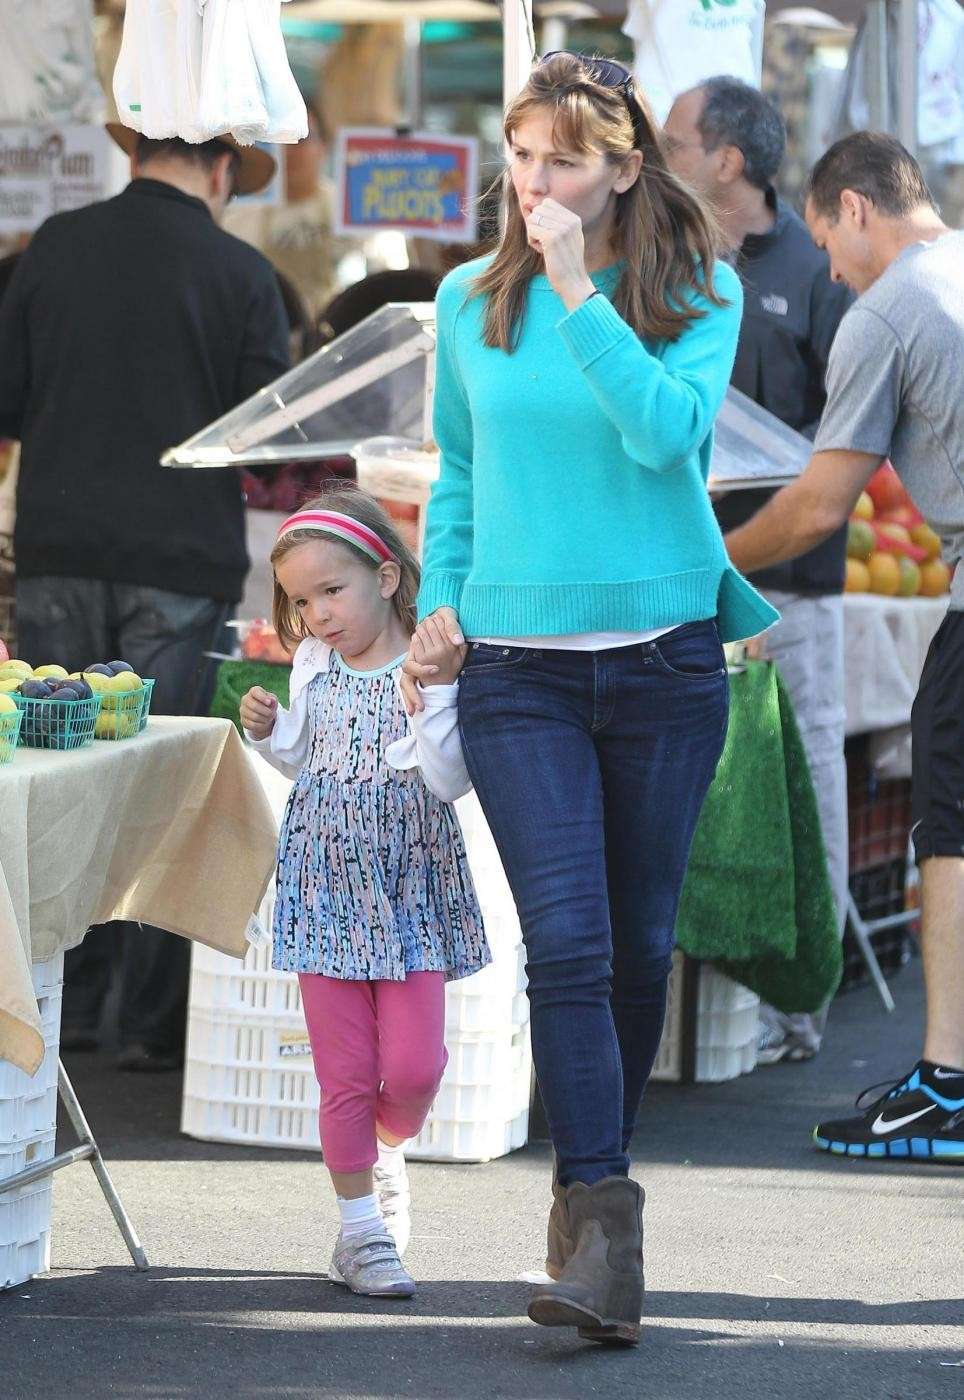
x=47 y=169
x=421 y=185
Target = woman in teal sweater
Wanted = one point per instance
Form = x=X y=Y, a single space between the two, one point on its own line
x=570 y=538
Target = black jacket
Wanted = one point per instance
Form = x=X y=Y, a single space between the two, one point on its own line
x=791 y=311
x=128 y=326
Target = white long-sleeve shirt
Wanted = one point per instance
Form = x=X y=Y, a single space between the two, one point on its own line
x=432 y=744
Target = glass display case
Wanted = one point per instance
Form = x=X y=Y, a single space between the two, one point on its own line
x=374 y=380
x=369 y=394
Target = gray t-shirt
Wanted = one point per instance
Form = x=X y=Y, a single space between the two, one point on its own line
x=895 y=384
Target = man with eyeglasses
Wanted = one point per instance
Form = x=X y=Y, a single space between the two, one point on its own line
x=128 y=326
x=727 y=140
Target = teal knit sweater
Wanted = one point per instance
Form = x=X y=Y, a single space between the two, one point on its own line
x=572 y=490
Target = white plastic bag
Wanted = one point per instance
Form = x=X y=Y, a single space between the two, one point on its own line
x=231 y=98
x=157 y=76
x=287 y=116
x=199 y=69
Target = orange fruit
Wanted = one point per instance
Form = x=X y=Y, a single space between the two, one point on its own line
x=909 y=583
x=864 y=509
x=935 y=578
x=925 y=538
x=860 y=539
x=884 y=573
x=857 y=578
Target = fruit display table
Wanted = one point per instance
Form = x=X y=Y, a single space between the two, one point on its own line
x=885 y=642
x=171 y=827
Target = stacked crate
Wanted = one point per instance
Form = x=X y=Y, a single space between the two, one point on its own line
x=879 y=814
x=28 y=1129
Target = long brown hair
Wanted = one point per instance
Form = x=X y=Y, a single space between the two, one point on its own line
x=666 y=237
x=347 y=500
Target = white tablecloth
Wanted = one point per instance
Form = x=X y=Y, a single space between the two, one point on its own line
x=170 y=828
x=885 y=642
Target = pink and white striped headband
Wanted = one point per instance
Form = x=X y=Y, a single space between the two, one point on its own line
x=344 y=527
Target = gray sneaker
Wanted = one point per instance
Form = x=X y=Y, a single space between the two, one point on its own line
x=369 y=1264
x=395 y=1203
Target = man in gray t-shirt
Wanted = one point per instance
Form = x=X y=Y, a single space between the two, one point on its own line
x=895 y=388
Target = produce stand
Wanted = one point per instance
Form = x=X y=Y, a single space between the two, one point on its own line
x=170 y=827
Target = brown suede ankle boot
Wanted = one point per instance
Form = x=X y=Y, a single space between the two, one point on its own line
x=558 y=1240
x=600 y=1289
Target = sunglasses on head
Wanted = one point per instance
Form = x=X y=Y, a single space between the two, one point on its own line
x=607 y=73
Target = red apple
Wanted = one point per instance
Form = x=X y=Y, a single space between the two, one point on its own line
x=4 y=654
x=886 y=490
x=907 y=515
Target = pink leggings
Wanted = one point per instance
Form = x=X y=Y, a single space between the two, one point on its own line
x=379 y=1053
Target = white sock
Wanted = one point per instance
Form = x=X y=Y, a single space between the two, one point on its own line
x=358 y=1216
x=391 y=1160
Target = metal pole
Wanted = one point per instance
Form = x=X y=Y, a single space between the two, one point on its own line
x=413 y=73
x=878 y=96
x=907 y=94
x=82 y=1128
x=518 y=46
x=555 y=34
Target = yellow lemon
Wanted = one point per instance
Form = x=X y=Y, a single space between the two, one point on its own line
x=44 y=673
x=9 y=684
x=7 y=706
x=97 y=681
x=15 y=668
x=123 y=681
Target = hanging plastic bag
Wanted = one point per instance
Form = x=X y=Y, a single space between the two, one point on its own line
x=287 y=116
x=231 y=97
x=148 y=48
x=199 y=69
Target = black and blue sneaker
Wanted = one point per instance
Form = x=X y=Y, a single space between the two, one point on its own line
x=921 y=1116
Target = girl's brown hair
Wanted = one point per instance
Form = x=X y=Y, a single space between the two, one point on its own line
x=666 y=237
x=347 y=500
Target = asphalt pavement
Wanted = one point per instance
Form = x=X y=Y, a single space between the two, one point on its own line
x=773 y=1271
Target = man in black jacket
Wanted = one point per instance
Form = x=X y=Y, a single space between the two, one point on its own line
x=128 y=326
x=728 y=140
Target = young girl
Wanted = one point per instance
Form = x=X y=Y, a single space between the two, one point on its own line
x=375 y=905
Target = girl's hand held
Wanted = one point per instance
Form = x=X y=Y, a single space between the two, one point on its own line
x=259 y=710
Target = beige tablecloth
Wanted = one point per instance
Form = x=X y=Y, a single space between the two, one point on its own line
x=885 y=642
x=171 y=828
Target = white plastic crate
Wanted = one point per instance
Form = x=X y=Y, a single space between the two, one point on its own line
x=476 y=1141
x=25 y=1213
x=486 y=1087
x=726 y=1027
x=28 y=1103
x=249 y=1078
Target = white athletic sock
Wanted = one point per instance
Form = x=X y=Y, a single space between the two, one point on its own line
x=358 y=1216
x=391 y=1160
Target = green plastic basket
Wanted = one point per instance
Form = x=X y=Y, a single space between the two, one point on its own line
x=9 y=734
x=125 y=714
x=57 y=724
